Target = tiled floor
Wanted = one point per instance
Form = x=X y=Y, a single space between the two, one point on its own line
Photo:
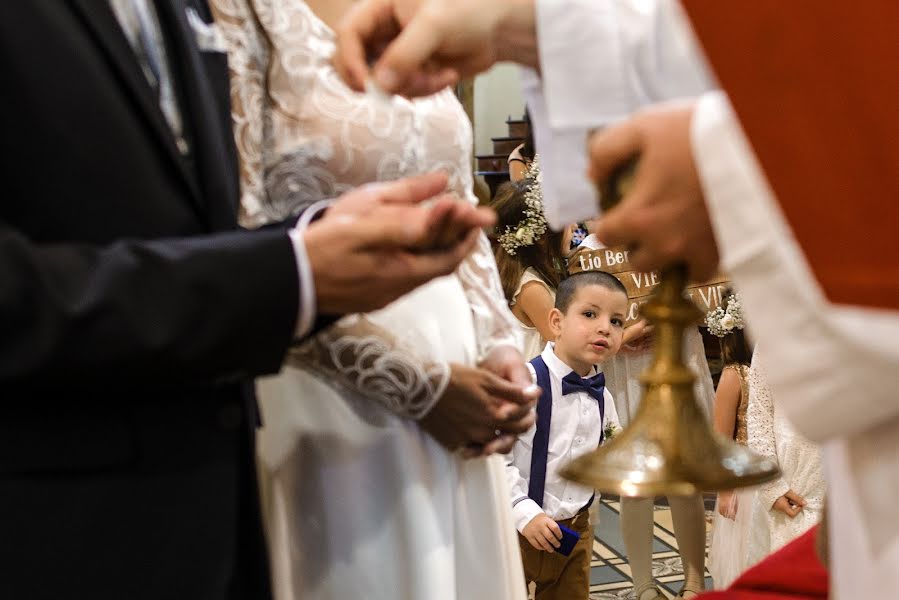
x=610 y=572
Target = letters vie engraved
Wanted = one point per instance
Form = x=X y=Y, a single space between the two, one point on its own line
x=706 y=295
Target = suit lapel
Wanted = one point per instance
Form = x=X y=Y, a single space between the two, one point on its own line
x=213 y=146
x=100 y=20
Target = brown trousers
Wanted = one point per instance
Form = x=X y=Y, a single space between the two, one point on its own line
x=558 y=577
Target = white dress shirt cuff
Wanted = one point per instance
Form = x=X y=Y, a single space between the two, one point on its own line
x=523 y=512
x=307 y=308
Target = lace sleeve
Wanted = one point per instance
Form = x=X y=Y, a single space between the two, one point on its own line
x=362 y=356
x=248 y=55
x=494 y=322
x=760 y=425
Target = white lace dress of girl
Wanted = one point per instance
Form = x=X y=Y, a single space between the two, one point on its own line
x=359 y=502
x=771 y=434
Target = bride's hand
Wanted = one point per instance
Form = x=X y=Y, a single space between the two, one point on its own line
x=376 y=243
x=475 y=406
x=448 y=220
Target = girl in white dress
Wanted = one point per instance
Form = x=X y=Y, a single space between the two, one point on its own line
x=529 y=257
x=359 y=501
x=727 y=551
x=687 y=512
x=787 y=507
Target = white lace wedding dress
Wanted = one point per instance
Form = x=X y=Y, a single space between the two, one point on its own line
x=771 y=434
x=360 y=502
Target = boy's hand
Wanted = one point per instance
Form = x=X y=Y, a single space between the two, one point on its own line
x=543 y=533
x=789 y=504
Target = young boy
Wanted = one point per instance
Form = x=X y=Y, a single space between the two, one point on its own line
x=574 y=410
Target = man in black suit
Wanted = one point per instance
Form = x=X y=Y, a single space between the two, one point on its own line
x=134 y=313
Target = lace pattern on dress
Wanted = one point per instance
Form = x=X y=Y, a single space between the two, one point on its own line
x=771 y=434
x=368 y=360
x=303 y=136
x=760 y=426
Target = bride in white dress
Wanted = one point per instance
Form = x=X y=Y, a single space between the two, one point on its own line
x=359 y=501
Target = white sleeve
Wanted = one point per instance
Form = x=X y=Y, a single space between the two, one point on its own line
x=494 y=323
x=833 y=368
x=635 y=53
x=523 y=508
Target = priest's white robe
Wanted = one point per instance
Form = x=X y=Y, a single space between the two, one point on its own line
x=836 y=368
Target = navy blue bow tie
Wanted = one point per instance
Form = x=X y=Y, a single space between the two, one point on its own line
x=593 y=385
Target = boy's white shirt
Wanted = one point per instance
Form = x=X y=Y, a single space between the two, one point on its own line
x=574 y=431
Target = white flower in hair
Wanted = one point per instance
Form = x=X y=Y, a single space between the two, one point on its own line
x=721 y=322
x=727 y=322
x=527 y=231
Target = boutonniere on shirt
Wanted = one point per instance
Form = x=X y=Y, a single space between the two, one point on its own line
x=610 y=431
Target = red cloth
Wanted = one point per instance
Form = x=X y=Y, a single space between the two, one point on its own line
x=792 y=573
x=811 y=85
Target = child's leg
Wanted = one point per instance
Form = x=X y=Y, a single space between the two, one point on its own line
x=688 y=514
x=568 y=577
x=636 y=527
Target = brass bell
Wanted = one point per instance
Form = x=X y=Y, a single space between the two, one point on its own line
x=669 y=448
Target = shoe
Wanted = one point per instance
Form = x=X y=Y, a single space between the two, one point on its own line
x=688 y=591
x=638 y=593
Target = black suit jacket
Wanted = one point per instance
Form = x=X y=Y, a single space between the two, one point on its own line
x=132 y=315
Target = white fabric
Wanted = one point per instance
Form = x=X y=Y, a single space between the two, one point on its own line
x=834 y=367
x=770 y=434
x=359 y=502
x=574 y=431
x=636 y=51
x=532 y=342
x=730 y=534
x=624 y=369
x=307 y=308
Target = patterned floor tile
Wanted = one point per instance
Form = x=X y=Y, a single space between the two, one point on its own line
x=610 y=573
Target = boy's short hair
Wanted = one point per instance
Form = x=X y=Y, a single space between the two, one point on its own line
x=571 y=284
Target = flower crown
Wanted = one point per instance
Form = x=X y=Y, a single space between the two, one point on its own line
x=530 y=229
x=721 y=322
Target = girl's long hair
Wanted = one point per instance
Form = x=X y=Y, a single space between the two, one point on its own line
x=543 y=255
